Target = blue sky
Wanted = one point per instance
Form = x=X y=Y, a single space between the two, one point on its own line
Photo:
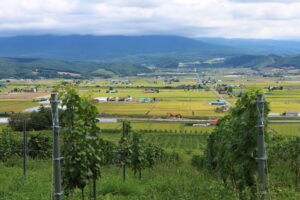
x=273 y=19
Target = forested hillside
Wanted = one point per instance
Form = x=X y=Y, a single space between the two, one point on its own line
x=257 y=61
x=34 y=68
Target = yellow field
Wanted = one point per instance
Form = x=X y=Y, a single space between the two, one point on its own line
x=16 y=105
x=175 y=101
x=201 y=108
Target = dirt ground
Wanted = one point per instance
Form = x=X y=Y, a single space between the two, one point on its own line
x=24 y=95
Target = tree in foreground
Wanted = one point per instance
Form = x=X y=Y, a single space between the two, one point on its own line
x=81 y=144
x=232 y=146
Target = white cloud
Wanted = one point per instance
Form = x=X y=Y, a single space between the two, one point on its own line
x=195 y=18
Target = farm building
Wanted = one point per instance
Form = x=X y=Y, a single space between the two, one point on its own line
x=197 y=125
x=145 y=100
x=213 y=122
x=274 y=115
x=4 y=120
x=270 y=88
x=291 y=113
x=100 y=99
x=224 y=89
x=125 y=98
x=218 y=102
x=112 y=91
x=29 y=90
x=222 y=109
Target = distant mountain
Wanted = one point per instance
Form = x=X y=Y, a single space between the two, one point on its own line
x=258 y=46
x=125 y=49
x=35 y=68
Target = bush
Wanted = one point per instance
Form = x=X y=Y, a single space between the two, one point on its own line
x=9 y=145
x=41 y=120
x=39 y=146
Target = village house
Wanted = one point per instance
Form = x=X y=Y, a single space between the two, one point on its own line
x=218 y=102
x=145 y=100
x=112 y=91
x=291 y=113
x=100 y=99
x=29 y=89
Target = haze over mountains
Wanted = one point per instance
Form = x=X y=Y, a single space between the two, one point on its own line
x=107 y=48
x=123 y=55
x=129 y=48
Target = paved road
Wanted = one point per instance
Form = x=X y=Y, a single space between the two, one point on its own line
x=284 y=121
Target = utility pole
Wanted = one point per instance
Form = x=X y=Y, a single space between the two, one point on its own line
x=261 y=159
x=25 y=151
x=123 y=154
x=56 y=147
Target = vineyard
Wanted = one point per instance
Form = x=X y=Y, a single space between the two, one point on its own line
x=145 y=160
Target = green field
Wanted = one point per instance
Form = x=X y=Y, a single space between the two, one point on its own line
x=286 y=129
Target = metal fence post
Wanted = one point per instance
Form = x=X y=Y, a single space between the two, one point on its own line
x=56 y=147
x=123 y=154
x=25 y=151
x=261 y=159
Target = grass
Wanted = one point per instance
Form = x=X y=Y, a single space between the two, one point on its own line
x=286 y=129
x=179 y=142
x=179 y=181
x=180 y=127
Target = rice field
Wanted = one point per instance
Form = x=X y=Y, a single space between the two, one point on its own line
x=16 y=105
x=201 y=108
x=175 y=101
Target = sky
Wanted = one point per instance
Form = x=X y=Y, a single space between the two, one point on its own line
x=264 y=19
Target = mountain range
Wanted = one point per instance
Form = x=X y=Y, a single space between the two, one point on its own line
x=107 y=56
x=129 y=49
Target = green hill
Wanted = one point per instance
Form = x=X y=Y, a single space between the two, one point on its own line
x=35 y=68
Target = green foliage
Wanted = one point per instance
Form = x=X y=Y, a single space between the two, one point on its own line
x=198 y=161
x=40 y=120
x=109 y=151
x=124 y=145
x=81 y=144
x=138 y=159
x=39 y=147
x=231 y=149
x=284 y=154
x=16 y=121
x=9 y=145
